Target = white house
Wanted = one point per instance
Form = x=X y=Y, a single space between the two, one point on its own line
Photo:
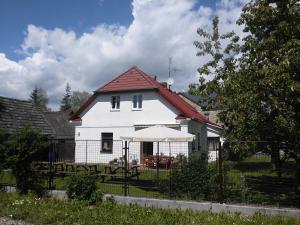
x=131 y=102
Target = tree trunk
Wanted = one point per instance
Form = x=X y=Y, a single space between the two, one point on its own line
x=275 y=159
x=297 y=176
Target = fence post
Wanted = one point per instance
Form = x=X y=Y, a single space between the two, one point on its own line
x=170 y=174
x=221 y=175
x=86 y=151
x=50 y=159
x=243 y=187
x=125 y=169
x=157 y=163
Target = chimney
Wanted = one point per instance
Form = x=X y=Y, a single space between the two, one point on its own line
x=164 y=84
x=154 y=77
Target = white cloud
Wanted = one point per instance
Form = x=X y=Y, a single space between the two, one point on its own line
x=160 y=29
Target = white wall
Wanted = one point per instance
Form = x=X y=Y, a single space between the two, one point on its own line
x=156 y=110
x=88 y=144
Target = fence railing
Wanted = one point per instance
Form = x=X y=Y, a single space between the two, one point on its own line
x=173 y=170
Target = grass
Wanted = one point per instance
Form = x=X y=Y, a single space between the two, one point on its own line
x=144 y=187
x=261 y=184
x=7 y=178
x=52 y=211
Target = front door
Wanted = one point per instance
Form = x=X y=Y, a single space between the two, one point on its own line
x=147 y=150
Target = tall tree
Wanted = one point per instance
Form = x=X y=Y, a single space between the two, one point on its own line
x=39 y=98
x=65 y=104
x=78 y=98
x=261 y=95
x=222 y=60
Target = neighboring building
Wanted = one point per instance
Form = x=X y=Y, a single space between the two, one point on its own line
x=214 y=131
x=130 y=102
x=194 y=100
x=15 y=114
x=64 y=143
x=59 y=121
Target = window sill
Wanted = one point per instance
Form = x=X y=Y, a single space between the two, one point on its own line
x=133 y=109
x=106 y=152
x=114 y=110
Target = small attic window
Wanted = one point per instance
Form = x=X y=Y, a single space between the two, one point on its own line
x=115 y=102
x=137 y=102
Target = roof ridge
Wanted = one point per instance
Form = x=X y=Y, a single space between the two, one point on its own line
x=147 y=76
x=20 y=100
x=122 y=74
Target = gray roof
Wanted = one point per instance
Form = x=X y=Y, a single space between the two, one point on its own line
x=201 y=101
x=15 y=114
x=60 y=123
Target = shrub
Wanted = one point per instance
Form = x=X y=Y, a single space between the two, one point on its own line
x=2 y=150
x=21 y=150
x=83 y=187
x=193 y=178
x=96 y=197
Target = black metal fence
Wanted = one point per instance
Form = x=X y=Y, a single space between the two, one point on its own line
x=173 y=170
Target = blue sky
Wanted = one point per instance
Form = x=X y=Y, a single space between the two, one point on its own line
x=77 y=15
x=87 y=43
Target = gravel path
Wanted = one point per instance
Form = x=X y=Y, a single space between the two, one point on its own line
x=7 y=221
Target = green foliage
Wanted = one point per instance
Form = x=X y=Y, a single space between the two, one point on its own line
x=77 y=99
x=222 y=61
x=39 y=98
x=53 y=211
x=2 y=149
x=83 y=187
x=193 y=177
x=262 y=98
x=22 y=149
x=66 y=100
x=259 y=89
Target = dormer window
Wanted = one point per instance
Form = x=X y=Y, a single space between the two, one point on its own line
x=115 y=102
x=137 y=102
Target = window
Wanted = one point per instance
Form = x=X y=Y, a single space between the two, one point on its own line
x=213 y=144
x=137 y=102
x=107 y=142
x=115 y=102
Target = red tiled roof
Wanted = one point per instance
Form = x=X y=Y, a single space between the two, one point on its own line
x=132 y=79
x=135 y=79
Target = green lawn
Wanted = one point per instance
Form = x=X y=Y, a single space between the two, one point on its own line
x=144 y=187
x=53 y=211
x=261 y=184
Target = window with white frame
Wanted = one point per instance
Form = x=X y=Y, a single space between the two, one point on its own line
x=213 y=143
x=115 y=102
x=107 y=142
x=137 y=102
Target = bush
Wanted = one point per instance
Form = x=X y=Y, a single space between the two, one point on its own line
x=2 y=150
x=192 y=177
x=21 y=150
x=83 y=187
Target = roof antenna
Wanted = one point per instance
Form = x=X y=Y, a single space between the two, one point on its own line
x=170 y=80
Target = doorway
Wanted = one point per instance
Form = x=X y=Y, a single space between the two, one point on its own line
x=146 y=151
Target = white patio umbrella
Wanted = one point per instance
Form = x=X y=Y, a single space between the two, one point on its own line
x=158 y=133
